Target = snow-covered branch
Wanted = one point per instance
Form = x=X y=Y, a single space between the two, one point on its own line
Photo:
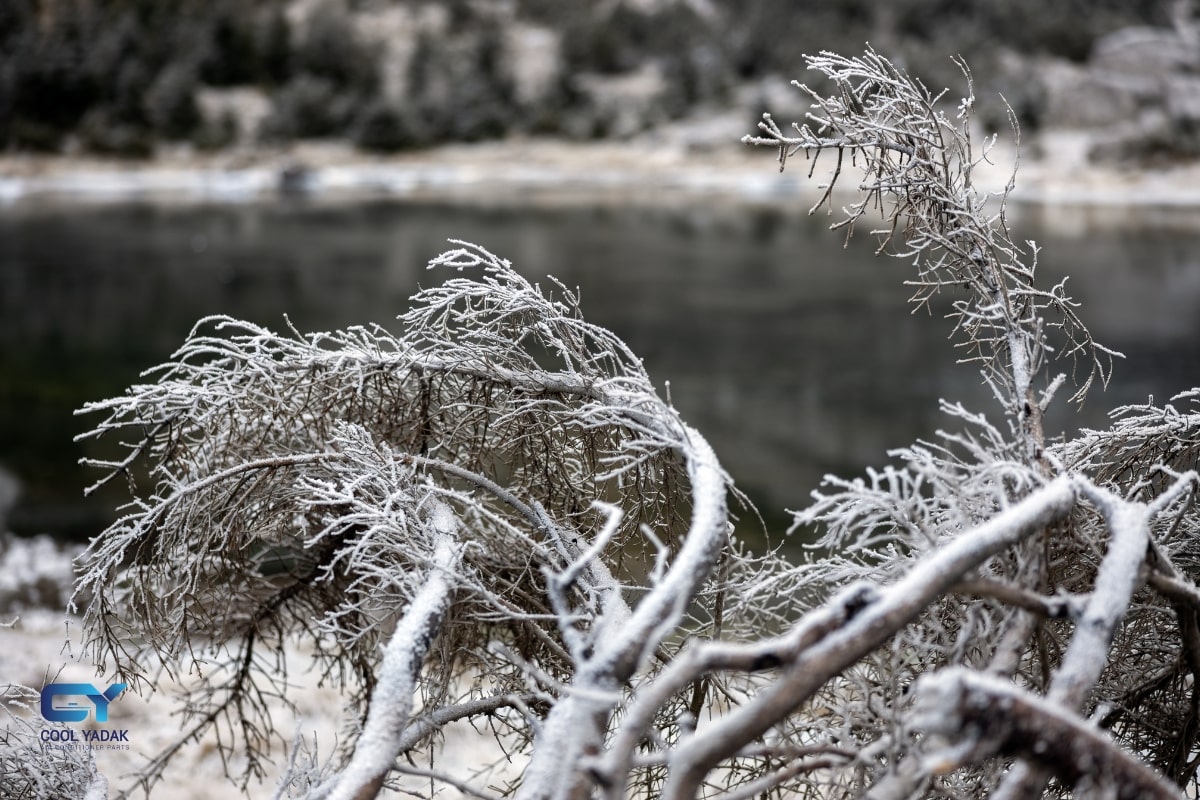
x=391 y=701
x=916 y=163
x=578 y=721
x=285 y=483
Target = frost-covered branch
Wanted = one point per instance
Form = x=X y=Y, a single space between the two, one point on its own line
x=578 y=722
x=282 y=486
x=1062 y=612
x=879 y=618
x=1118 y=576
x=917 y=164
x=391 y=701
x=985 y=716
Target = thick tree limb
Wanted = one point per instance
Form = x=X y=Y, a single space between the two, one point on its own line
x=1117 y=579
x=1000 y=719
x=391 y=703
x=573 y=731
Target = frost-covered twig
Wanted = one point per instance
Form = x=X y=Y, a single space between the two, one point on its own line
x=917 y=166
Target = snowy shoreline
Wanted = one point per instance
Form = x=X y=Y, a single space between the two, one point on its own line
x=532 y=172
x=517 y=172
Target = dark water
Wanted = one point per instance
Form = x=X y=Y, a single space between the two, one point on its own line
x=795 y=356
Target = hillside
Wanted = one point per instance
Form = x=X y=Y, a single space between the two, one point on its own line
x=132 y=78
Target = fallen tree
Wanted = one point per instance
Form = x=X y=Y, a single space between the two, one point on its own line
x=493 y=516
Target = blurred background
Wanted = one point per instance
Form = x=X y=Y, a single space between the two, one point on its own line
x=125 y=77
x=796 y=355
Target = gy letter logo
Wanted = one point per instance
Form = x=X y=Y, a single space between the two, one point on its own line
x=69 y=713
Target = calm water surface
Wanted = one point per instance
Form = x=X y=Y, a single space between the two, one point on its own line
x=795 y=356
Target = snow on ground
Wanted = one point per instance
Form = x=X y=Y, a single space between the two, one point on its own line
x=695 y=160
x=45 y=646
x=522 y=170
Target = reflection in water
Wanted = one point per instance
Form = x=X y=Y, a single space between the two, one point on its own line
x=796 y=356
